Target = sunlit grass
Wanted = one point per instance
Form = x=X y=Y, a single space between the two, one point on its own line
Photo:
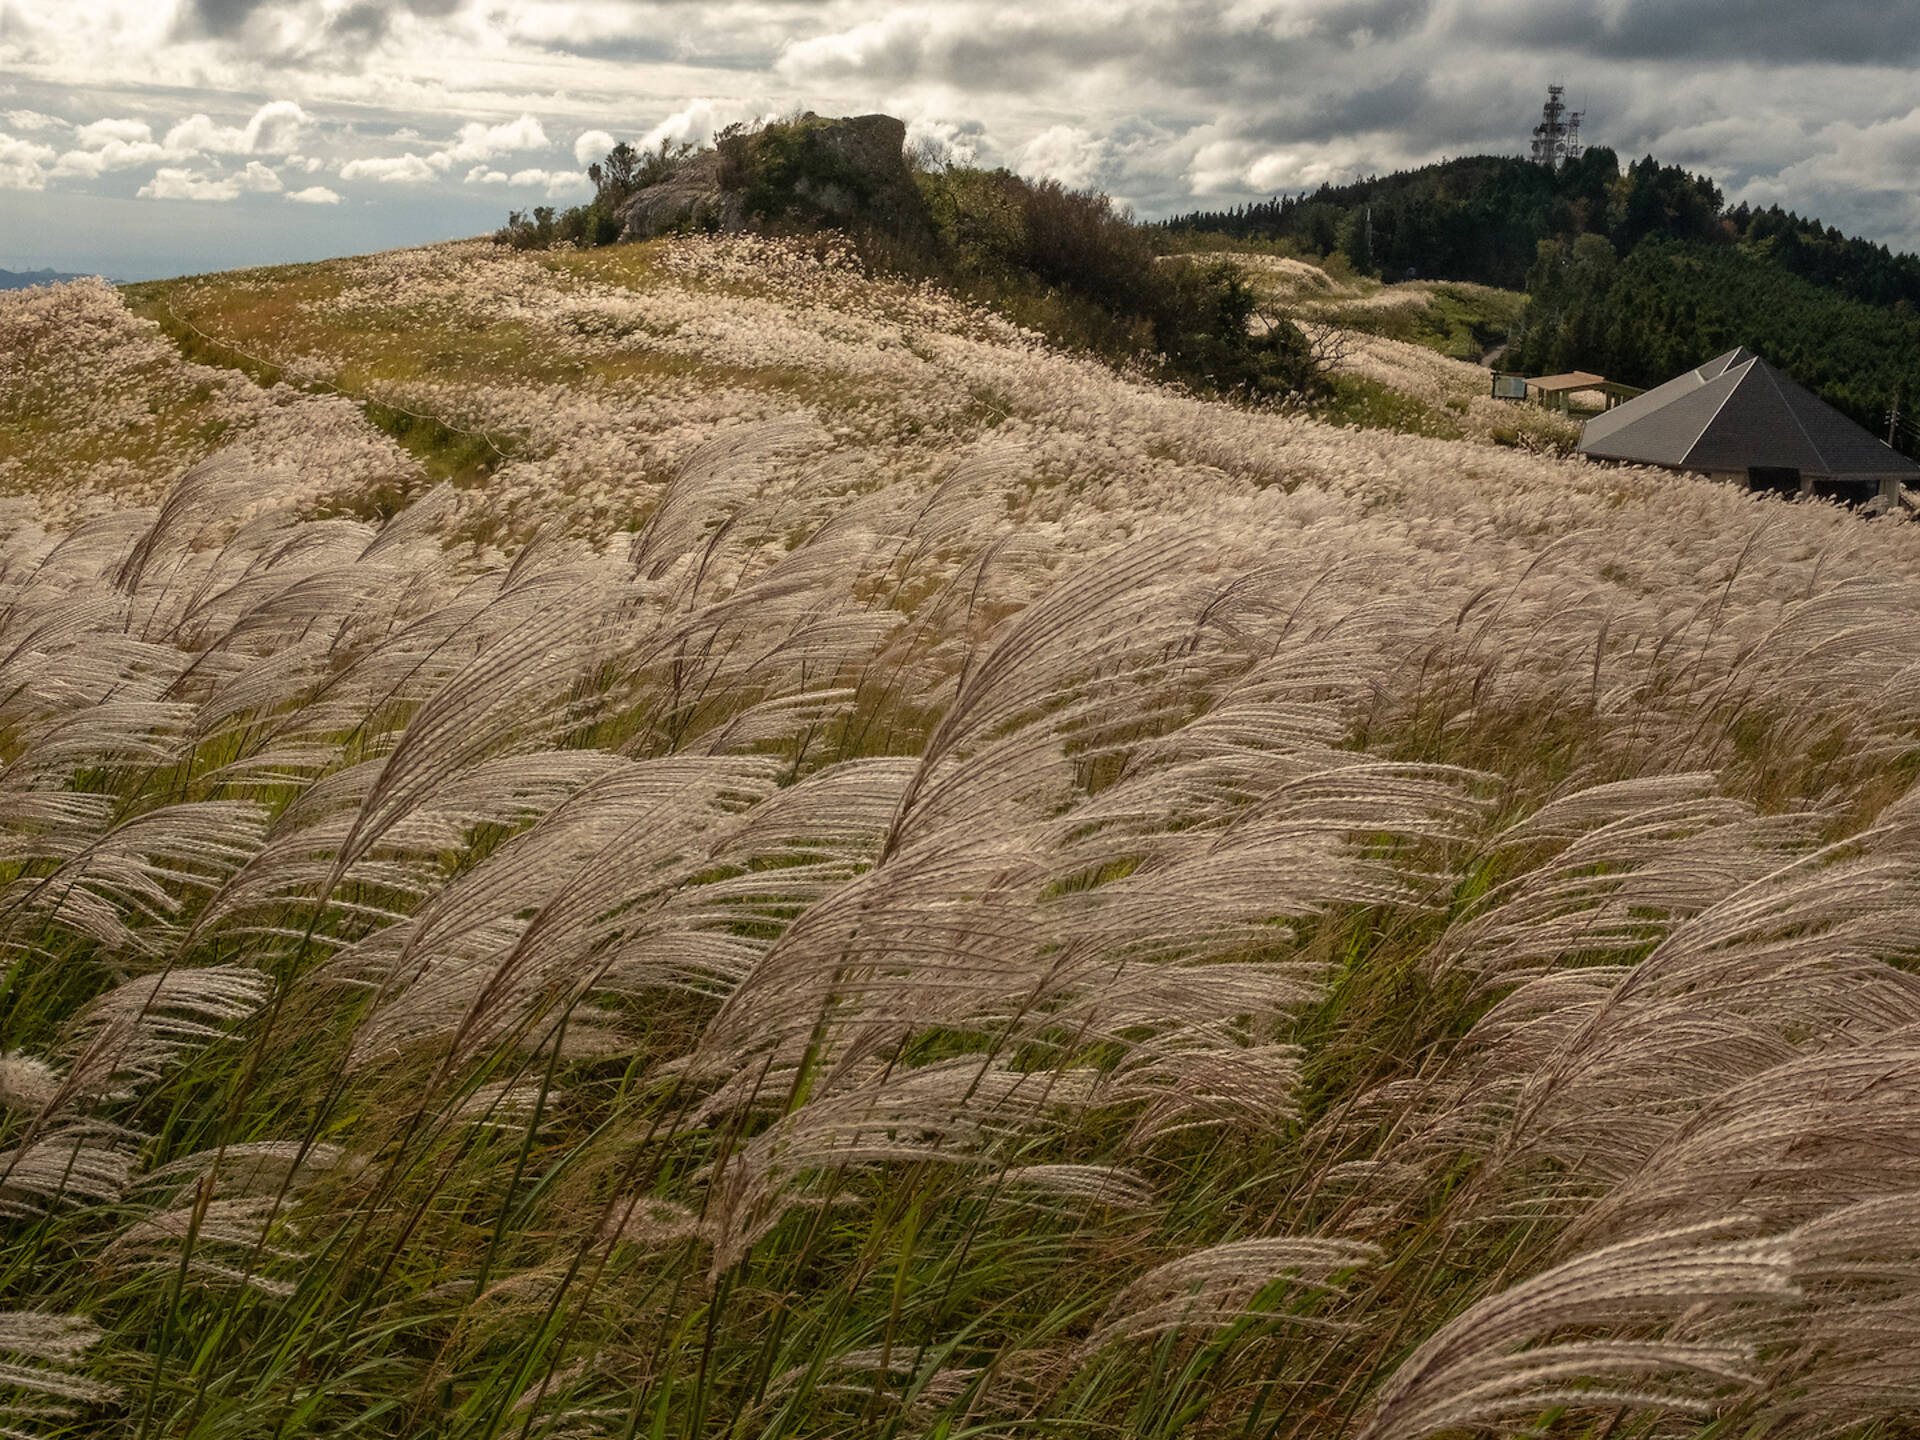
x=985 y=898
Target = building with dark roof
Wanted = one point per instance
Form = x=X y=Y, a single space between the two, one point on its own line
x=1737 y=418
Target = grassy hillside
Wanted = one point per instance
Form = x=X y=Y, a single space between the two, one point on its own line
x=1407 y=355
x=679 y=841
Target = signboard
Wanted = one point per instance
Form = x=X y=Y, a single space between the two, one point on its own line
x=1509 y=387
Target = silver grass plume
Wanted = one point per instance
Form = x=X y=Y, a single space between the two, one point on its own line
x=76 y=1164
x=1213 y=1288
x=469 y=965
x=123 y=886
x=1623 y=863
x=1785 y=965
x=949 y=1112
x=1849 y=1353
x=1496 y=1365
x=131 y=1034
x=1814 y=1134
x=515 y=691
x=711 y=486
x=40 y=1378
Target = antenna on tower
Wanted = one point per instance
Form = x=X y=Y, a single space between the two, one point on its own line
x=1556 y=139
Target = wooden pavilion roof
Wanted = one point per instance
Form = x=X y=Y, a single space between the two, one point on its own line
x=1572 y=380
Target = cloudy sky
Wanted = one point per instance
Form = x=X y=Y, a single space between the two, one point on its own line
x=144 y=138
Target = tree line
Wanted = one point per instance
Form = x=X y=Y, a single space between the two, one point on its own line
x=1638 y=272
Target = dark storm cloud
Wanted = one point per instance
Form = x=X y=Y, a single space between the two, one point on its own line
x=698 y=34
x=1410 y=103
x=219 y=17
x=1030 y=56
x=1316 y=68
x=364 y=23
x=1164 y=103
x=1785 y=32
x=1159 y=45
x=663 y=47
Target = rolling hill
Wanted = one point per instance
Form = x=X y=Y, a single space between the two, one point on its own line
x=684 y=840
x=22 y=279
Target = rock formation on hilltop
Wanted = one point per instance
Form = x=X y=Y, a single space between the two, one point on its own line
x=813 y=170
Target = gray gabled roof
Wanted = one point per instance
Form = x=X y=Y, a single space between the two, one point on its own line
x=1737 y=412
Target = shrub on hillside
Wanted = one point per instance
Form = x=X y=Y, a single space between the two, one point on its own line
x=1062 y=261
x=623 y=172
x=784 y=170
x=1068 y=263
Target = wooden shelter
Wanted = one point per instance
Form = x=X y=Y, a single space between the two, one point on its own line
x=1737 y=418
x=1557 y=391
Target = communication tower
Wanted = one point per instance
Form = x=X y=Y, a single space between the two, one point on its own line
x=1556 y=139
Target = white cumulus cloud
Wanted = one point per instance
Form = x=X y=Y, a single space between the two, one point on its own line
x=172 y=182
x=592 y=145
x=893 y=46
x=483 y=142
x=110 y=144
x=407 y=169
x=698 y=123
x=23 y=164
x=258 y=179
x=1066 y=153
x=32 y=120
x=274 y=129
x=946 y=142
x=472 y=147
x=313 y=195
x=104 y=132
x=559 y=184
x=114 y=155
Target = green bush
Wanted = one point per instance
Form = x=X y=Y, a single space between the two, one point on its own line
x=1067 y=263
x=779 y=166
x=528 y=231
x=1061 y=261
x=616 y=179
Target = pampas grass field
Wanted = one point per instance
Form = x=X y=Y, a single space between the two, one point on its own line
x=857 y=875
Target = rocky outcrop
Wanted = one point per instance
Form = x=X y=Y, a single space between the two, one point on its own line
x=691 y=199
x=812 y=170
x=848 y=168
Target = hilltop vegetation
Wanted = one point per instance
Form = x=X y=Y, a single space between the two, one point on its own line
x=1480 y=218
x=1051 y=258
x=864 y=874
x=1636 y=273
x=1406 y=357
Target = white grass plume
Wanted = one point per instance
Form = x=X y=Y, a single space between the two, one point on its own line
x=1496 y=1364
x=1212 y=1288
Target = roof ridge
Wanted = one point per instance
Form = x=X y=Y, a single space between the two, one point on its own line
x=1786 y=403
x=1707 y=425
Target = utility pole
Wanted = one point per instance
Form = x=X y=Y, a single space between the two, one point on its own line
x=1893 y=414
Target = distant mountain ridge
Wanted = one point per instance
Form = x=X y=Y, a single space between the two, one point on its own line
x=22 y=279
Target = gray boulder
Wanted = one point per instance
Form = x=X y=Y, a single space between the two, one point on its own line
x=809 y=170
x=691 y=199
